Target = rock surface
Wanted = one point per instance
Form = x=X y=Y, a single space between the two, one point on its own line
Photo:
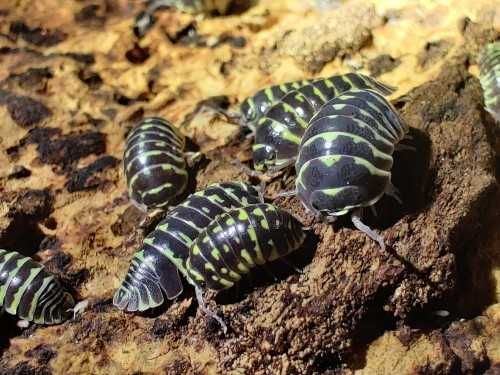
x=74 y=79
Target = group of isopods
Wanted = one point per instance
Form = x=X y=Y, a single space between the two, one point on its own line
x=339 y=133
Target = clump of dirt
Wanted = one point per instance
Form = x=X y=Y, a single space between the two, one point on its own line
x=382 y=64
x=337 y=33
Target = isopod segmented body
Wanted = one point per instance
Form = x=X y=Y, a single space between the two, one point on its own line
x=489 y=63
x=28 y=291
x=145 y=20
x=239 y=240
x=255 y=106
x=154 y=163
x=345 y=156
x=154 y=268
x=280 y=129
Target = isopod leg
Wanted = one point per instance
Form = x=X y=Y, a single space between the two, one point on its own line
x=192 y=158
x=356 y=220
x=80 y=308
x=206 y=310
x=393 y=192
x=286 y=194
x=248 y=171
x=152 y=217
x=23 y=323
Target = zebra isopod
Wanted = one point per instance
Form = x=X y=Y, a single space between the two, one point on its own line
x=28 y=291
x=345 y=156
x=154 y=268
x=154 y=164
x=280 y=129
x=489 y=63
x=239 y=240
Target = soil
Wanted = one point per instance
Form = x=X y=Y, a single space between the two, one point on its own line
x=74 y=79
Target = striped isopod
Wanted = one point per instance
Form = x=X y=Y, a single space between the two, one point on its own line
x=145 y=20
x=154 y=268
x=489 y=63
x=255 y=106
x=280 y=130
x=154 y=164
x=239 y=240
x=28 y=291
x=345 y=156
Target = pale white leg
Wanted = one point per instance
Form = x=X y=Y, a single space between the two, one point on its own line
x=356 y=220
x=192 y=157
x=23 y=323
x=206 y=310
x=287 y=194
x=80 y=308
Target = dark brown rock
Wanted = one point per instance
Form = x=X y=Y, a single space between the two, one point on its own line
x=26 y=111
x=37 y=36
x=89 y=177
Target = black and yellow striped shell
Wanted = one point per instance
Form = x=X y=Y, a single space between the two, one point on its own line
x=279 y=131
x=489 y=63
x=255 y=106
x=154 y=268
x=154 y=164
x=193 y=6
x=202 y=6
x=145 y=20
x=239 y=240
x=345 y=155
x=28 y=291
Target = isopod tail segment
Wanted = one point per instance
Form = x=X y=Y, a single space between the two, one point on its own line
x=150 y=276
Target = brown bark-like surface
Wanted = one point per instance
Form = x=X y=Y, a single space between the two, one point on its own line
x=74 y=79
